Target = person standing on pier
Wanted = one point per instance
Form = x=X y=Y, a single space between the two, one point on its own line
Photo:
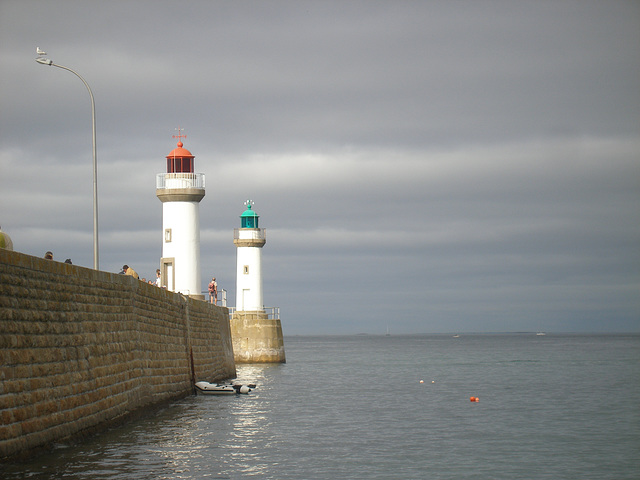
x=213 y=291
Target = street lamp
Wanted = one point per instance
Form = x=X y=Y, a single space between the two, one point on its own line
x=46 y=61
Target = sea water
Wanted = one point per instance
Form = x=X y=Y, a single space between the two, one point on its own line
x=392 y=407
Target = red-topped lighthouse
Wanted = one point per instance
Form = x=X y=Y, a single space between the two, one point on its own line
x=180 y=191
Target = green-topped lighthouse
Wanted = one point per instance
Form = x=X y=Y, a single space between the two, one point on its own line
x=256 y=331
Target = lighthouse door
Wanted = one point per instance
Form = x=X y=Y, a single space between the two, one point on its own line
x=245 y=296
x=167 y=273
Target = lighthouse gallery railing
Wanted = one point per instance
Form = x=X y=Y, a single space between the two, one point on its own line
x=179 y=180
x=250 y=234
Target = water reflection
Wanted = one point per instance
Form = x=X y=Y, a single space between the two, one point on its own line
x=218 y=436
x=250 y=425
x=197 y=437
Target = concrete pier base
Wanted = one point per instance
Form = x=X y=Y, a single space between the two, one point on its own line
x=256 y=338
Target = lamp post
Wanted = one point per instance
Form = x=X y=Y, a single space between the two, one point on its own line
x=45 y=61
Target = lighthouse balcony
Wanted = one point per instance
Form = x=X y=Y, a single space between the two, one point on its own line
x=249 y=237
x=180 y=187
x=179 y=180
x=249 y=233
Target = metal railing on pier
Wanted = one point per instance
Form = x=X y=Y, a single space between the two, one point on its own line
x=273 y=313
x=222 y=297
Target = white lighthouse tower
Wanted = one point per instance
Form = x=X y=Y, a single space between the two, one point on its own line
x=249 y=239
x=256 y=333
x=180 y=191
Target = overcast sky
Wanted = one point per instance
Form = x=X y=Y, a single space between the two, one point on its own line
x=426 y=166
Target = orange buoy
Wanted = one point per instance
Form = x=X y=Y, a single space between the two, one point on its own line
x=474 y=399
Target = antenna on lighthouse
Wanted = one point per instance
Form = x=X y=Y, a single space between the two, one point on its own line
x=180 y=136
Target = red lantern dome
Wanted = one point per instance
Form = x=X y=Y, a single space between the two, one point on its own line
x=180 y=160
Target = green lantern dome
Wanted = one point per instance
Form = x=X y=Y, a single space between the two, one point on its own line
x=249 y=218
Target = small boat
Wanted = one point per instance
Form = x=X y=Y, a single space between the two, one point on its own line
x=206 y=388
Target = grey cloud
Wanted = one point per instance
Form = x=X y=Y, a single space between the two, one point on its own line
x=439 y=166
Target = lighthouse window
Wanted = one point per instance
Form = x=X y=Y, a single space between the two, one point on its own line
x=179 y=165
x=167 y=235
x=246 y=269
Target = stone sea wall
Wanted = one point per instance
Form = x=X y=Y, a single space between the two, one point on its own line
x=81 y=350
